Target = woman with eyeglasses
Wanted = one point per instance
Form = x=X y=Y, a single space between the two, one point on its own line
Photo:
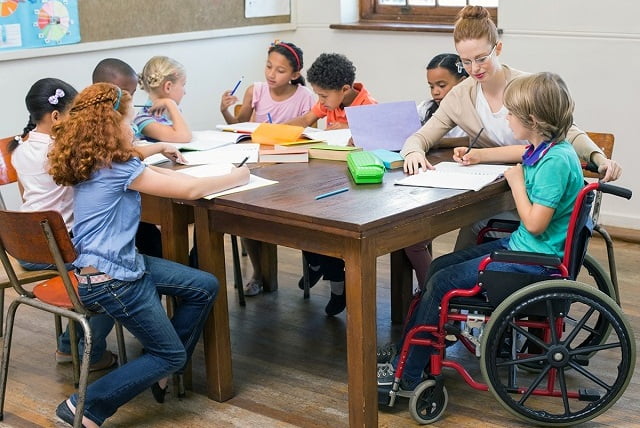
x=476 y=106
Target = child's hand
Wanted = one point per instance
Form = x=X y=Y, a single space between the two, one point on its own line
x=337 y=125
x=515 y=176
x=227 y=101
x=242 y=173
x=172 y=153
x=460 y=155
x=415 y=161
x=162 y=105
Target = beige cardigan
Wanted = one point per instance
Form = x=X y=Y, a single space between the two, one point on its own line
x=458 y=108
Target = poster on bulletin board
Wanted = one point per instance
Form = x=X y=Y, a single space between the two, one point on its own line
x=38 y=23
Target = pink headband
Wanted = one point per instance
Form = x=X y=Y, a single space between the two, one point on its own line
x=295 y=55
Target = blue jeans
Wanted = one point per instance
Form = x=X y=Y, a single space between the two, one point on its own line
x=101 y=324
x=168 y=343
x=457 y=270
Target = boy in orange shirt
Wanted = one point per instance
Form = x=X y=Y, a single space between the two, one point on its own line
x=332 y=77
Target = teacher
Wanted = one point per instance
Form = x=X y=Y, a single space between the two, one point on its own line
x=476 y=106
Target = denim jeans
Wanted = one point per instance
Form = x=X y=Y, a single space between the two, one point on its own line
x=457 y=270
x=100 y=324
x=168 y=343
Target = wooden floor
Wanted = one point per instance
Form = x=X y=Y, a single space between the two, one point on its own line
x=289 y=363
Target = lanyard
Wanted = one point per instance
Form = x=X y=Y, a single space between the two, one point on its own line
x=533 y=154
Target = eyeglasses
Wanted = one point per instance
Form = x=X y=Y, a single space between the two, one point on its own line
x=466 y=63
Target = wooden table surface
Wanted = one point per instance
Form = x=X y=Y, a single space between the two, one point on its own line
x=358 y=226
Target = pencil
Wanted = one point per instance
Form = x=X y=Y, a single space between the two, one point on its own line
x=235 y=88
x=269 y=118
x=243 y=161
x=334 y=192
x=473 y=142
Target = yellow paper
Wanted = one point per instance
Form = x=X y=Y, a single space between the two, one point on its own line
x=276 y=133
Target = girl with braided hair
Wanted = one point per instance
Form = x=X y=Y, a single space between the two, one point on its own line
x=94 y=153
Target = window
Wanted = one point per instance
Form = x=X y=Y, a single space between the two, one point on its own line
x=430 y=12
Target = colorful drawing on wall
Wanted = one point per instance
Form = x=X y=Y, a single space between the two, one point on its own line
x=38 y=23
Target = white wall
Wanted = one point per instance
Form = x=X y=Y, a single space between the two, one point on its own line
x=594 y=45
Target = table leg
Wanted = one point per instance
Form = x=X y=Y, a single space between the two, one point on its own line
x=360 y=286
x=269 y=265
x=217 y=342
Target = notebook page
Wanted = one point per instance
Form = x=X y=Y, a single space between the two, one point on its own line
x=455 y=176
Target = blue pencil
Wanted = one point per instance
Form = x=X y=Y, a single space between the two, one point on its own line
x=269 y=118
x=235 y=88
x=334 y=192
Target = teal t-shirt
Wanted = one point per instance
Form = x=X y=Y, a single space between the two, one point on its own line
x=554 y=181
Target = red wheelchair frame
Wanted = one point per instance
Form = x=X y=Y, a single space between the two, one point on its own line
x=540 y=309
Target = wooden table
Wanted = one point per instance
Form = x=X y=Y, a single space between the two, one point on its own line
x=357 y=226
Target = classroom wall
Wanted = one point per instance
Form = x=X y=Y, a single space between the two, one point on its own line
x=592 y=44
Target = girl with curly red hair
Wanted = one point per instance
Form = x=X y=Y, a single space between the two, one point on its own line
x=94 y=154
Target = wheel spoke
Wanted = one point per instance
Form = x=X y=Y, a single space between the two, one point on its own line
x=579 y=326
x=534 y=384
x=589 y=375
x=563 y=390
x=530 y=336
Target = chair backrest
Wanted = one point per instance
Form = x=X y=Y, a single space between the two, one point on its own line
x=7 y=172
x=580 y=230
x=37 y=237
x=605 y=142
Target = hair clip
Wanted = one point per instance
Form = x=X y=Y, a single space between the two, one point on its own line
x=276 y=42
x=53 y=99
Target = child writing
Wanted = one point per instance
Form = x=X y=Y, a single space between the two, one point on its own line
x=160 y=119
x=281 y=98
x=94 y=154
x=443 y=74
x=544 y=187
x=48 y=102
x=332 y=77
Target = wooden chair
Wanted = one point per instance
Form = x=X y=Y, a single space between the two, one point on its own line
x=42 y=237
x=7 y=176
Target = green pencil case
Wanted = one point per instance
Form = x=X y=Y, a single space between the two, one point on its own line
x=365 y=167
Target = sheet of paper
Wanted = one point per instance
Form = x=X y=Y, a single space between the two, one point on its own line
x=254 y=183
x=449 y=175
x=234 y=153
x=207 y=140
x=242 y=127
x=213 y=170
x=334 y=137
x=383 y=126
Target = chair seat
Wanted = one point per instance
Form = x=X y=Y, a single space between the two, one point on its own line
x=53 y=292
x=24 y=276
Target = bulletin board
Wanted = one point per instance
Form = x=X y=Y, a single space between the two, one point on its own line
x=121 y=19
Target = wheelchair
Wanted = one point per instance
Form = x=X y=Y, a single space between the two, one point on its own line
x=553 y=351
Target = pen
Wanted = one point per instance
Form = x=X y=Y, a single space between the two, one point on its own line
x=473 y=142
x=235 y=88
x=243 y=161
x=334 y=192
x=269 y=118
x=138 y=105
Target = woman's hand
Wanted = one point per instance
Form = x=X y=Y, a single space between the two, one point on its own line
x=227 y=101
x=609 y=170
x=415 y=161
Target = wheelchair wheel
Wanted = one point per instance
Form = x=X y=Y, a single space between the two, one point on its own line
x=428 y=403
x=556 y=396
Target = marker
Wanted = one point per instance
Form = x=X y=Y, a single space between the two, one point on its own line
x=474 y=141
x=334 y=192
x=269 y=118
x=235 y=88
x=243 y=161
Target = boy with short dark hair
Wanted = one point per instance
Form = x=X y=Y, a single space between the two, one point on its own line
x=332 y=77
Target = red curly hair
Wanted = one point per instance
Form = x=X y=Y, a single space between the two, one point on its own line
x=91 y=137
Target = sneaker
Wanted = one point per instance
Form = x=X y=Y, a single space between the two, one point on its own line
x=108 y=360
x=314 y=277
x=386 y=374
x=386 y=353
x=337 y=304
x=63 y=357
x=253 y=288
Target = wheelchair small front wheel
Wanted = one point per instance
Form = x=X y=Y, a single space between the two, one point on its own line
x=428 y=402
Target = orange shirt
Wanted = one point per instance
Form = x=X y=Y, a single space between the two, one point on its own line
x=339 y=115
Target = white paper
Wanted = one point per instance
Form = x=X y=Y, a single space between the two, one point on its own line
x=207 y=140
x=254 y=183
x=234 y=153
x=451 y=175
x=242 y=127
x=213 y=170
x=334 y=137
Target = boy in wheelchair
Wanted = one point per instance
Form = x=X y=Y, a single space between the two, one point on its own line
x=544 y=186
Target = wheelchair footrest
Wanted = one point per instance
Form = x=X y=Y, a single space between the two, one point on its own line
x=588 y=395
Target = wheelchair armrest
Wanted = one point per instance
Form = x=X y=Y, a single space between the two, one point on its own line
x=525 y=257
x=503 y=225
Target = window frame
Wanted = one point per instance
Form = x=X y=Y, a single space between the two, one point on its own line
x=372 y=13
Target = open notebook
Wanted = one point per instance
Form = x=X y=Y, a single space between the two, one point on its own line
x=452 y=175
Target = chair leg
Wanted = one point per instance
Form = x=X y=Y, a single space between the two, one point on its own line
x=84 y=372
x=57 y=321
x=305 y=276
x=6 y=351
x=1 y=310
x=75 y=359
x=122 y=351
x=237 y=272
